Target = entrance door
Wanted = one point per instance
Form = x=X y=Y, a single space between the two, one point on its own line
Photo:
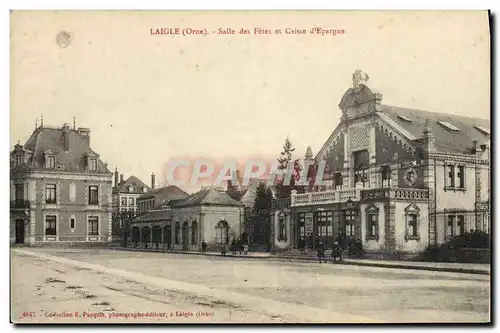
x=19 y=231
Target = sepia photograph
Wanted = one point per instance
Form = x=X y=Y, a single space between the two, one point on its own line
x=242 y=167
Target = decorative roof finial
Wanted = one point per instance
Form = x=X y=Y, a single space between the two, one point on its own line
x=36 y=123
x=41 y=121
x=74 y=123
x=359 y=77
x=309 y=153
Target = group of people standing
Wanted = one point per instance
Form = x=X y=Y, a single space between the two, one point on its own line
x=341 y=244
x=236 y=246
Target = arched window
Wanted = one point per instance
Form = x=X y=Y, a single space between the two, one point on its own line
x=177 y=233
x=222 y=232
x=386 y=176
x=194 y=232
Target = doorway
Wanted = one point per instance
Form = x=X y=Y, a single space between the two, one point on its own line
x=19 y=231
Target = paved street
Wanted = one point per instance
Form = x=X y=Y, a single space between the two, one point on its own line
x=107 y=285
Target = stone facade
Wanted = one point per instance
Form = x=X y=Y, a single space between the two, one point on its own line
x=65 y=200
x=412 y=178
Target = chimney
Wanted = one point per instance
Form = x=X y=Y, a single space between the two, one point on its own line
x=116 y=177
x=65 y=137
x=121 y=178
x=84 y=134
x=152 y=181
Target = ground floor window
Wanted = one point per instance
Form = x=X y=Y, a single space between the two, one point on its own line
x=372 y=223
x=50 y=225
x=93 y=226
x=456 y=225
x=412 y=216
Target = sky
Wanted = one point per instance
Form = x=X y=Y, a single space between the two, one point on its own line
x=150 y=99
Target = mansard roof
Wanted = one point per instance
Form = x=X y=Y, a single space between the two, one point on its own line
x=452 y=133
x=50 y=140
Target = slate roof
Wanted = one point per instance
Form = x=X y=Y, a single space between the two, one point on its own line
x=132 y=180
x=164 y=194
x=446 y=141
x=206 y=197
x=44 y=139
x=154 y=215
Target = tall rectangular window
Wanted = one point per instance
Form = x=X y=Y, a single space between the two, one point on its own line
x=124 y=201
x=450 y=176
x=131 y=201
x=93 y=226
x=92 y=164
x=461 y=176
x=50 y=193
x=412 y=225
x=373 y=222
x=72 y=223
x=93 y=195
x=451 y=225
x=50 y=225
x=51 y=162
x=460 y=225
x=19 y=189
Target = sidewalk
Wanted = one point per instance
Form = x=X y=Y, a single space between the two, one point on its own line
x=483 y=269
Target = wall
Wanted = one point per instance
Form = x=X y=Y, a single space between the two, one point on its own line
x=412 y=246
x=213 y=215
x=373 y=245
x=72 y=198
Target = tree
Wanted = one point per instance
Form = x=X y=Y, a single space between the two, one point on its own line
x=261 y=214
x=284 y=190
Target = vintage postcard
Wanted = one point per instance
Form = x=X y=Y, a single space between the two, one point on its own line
x=250 y=167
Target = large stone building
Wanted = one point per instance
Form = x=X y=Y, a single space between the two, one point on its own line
x=173 y=219
x=402 y=179
x=60 y=189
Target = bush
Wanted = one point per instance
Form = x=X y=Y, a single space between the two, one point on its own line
x=450 y=251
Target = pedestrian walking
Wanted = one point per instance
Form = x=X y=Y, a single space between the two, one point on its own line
x=321 y=253
x=337 y=251
x=224 y=250
x=245 y=249
x=203 y=247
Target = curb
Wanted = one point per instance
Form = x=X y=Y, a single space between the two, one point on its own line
x=344 y=262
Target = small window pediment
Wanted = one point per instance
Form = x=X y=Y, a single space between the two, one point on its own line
x=412 y=209
x=372 y=209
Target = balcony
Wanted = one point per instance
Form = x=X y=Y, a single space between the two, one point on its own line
x=326 y=197
x=413 y=194
x=20 y=204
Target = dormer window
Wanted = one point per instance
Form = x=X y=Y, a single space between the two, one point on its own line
x=483 y=130
x=449 y=126
x=130 y=188
x=19 y=160
x=143 y=189
x=408 y=120
x=92 y=164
